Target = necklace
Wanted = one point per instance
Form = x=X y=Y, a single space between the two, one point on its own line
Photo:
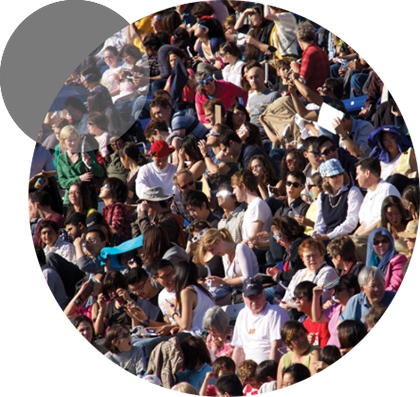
x=338 y=202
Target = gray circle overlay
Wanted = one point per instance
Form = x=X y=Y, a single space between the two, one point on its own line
x=44 y=50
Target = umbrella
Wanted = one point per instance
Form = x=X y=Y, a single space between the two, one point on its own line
x=65 y=92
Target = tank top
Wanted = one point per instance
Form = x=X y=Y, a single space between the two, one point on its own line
x=204 y=302
x=287 y=358
x=334 y=213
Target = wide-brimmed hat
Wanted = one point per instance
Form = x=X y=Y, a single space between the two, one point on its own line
x=410 y=230
x=154 y=194
x=252 y=286
x=330 y=168
x=161 y=149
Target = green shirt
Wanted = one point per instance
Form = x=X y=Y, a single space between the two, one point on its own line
x=68 y=173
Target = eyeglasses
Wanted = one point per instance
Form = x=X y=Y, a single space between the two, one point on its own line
x=336 y=289
x=106 y=186
x=290 y=160
x=311 y=186
x=298 y=298
x=208 y=80
x=383 y=241
x=294 y=184
x=186 y=185
x=138 y=289
x=326 y=152
x=278 y=237
x=91 y=241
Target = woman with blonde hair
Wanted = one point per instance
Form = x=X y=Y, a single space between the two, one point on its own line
x=239 y=260
x=73 y=165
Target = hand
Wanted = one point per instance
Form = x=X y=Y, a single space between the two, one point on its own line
x=287 y=305
x=250 y=40
x=182 y=155
x=215 y=280
x=144 y=206
x=136 y=313
x=209 y=375
x=243 y=133
x=300 y=218
x=171 y=309
x=328 y=304
x=339 y=128
x=322 y=237
x=272 y=271
x=101 y=302
x=86 y=158
x=363 y=112
x=87 y=177
x=202 y=145
x=248 y=11
x=218 y=64
x=175 y=330
x=342 y=72
x=124 y=294
x=292 y=87
x=164 y=330
x=295 y=67
x=318 y=291
x=311 y=338
x=79 y=240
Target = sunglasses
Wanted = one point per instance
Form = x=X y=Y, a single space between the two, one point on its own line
x=208 y=80
x=378 y=242
x=311 y=186
x=326 y=152
x=278 y=237
x=186 y=185
x=294 y=184
x=106 y=186
x=199 y=235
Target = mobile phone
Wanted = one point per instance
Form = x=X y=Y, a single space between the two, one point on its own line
x=86 y=293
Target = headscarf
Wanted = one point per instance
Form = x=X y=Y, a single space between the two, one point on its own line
x=372 y=259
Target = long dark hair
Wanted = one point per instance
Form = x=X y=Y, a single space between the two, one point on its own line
x=186 y=274
x=84 y=199
x=190 y=144
x=252 y=52
x=300 y=163
x=229 y=114
x=392 y=201
x=131 y=150
x=155 y=244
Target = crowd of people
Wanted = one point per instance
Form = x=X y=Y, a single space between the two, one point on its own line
x=213 y=216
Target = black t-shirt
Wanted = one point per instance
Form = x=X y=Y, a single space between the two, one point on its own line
x=117 y=316
x=216 y=268
x=151 y=308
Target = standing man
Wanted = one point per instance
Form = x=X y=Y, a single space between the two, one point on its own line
x=257 y=329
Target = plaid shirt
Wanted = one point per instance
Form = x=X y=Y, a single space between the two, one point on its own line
x=118 y=217
x=315 y=66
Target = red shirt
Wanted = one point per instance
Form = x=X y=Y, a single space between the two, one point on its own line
x=118 y=217
x=320 y=331
x=315 y=66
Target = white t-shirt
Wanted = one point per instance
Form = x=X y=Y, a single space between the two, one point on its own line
x=233 y=74
x=244 y=264
x=149 y=176
x=370 y=211
x=258 y=210
x=387 y=168
x=286 y=26
x=163 y=296
x=254 y=334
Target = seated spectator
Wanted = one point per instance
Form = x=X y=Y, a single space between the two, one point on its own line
x=209 y=88
x=394 y=150
x=73 y=165
x=326 y=150
x=85 y=326
x=216 y=323
x=328 y=356
x=369 y=177
x=96 y=221
x=318 y=333
x=258 y=216
x=372 y=286
x=231 y=56
x=374 y=315
x=76 y=225
x=221 y=366
x=292 y=160
x=343 y=255
x=313 y=164
x=111 y=58
x=155 y=200
x=314 y=68
x=115 y=168
x=234 y=212
x=157 y=173
x=411 y=199
x=257 y=328
x=347 y=287
x=40 y=210
x=239 y=260
x=266 y=374
x=393 y=218
x=294 y=374
x=236 y=116
x=111 y=304
x=52 y=142
x=190 y=157
x=88 y=257
x=78 y=113
x=409 y=235
x=50 y=236
x=193 y=300
x=156 y=246
x=122 y=353
x=312 y=253
x=382 y=254
x=245 y=22
x=114 y=194
x=338 y=205
x=250 y=135
x=288 y=234
x=246 y=374
x=185 y=387
x=90 y=77
x=97 y=103
x=295 y=337
x=350 y=333
x=266 y=176
x=228 y=384
x=209 y=109
x=188 y=92
x=183 y=181
x=282 y=69
x=98 y=127
x=181 y=122
x=198 y=206
x=79 y=199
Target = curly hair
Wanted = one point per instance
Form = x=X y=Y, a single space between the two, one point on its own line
x=306 y=32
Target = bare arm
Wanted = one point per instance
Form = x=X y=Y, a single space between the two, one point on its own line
x=268 y=15
x=317 y=313
x=238 y=355
x=275 y=350
x=313 y=362
x=271 y=135
x=299 y=107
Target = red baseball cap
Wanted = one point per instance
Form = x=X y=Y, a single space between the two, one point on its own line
x=161 y=149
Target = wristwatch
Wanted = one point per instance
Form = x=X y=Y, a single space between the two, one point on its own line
x=207 y=154
x=146 y=322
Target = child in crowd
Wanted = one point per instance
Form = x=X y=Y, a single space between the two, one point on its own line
x=222 y=365
x=266 y=374
x=246 y=373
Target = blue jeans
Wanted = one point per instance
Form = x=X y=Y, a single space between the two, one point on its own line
x=141 y=108
x=357 y=81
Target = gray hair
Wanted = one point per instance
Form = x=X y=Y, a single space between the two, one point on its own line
x=306 y=32
x=370 y=273
x=178 y=173
x=216 y=318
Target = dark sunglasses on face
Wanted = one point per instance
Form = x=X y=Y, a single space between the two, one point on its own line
x=326 y=152
x=294 y=184
x=187 y=184
x=208 y=80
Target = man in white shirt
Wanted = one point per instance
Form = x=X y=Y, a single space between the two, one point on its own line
x=257 y=333
x=258 y=215
x=157 y=173
x=368 y=175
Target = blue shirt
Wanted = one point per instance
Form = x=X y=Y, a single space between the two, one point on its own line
x=195 y=378
x=358 y=306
